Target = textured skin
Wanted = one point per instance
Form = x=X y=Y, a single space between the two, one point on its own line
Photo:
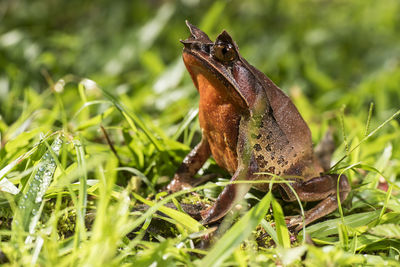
x=250 y=126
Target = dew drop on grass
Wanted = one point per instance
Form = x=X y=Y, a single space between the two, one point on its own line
x=46 y=169
x=44 y=174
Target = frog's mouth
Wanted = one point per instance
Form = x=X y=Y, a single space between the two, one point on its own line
x=197 y=53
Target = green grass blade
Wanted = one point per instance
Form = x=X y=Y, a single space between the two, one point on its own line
x=7 y=186
x=329 y=227
x=397 y=113
x=387 y=230
x=96 y=120
x=280 y=224
x=133 y=120
x=15 y=162
x=235 y=235
x=181 y=218
x=82 y=195
x=270 y=230
x=192 y=114
x=35 y=189
x=140 y=175
x=371 y=108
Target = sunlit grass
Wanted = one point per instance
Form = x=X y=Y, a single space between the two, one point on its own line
x=96 y=116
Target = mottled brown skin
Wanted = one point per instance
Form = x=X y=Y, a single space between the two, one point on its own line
x=250 y=126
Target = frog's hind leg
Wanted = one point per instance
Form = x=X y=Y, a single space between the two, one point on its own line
x=322 y=188
x=325 y=149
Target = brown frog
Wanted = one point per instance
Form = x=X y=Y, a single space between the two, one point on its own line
x=250 y=127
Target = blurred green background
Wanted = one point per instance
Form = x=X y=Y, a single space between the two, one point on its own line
x=336 y=52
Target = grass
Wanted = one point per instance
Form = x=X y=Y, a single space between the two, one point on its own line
x=97 y=112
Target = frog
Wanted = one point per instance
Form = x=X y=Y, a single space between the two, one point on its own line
x=253 y=130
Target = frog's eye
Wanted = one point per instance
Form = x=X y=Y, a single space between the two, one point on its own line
x=224 y=53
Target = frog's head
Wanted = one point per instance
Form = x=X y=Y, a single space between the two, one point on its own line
x=218 y=62
x=222 y=52
x=219 y=66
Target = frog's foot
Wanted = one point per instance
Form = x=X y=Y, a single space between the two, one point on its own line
x=229 y=197
x=212 y=214
x=182 y=183
x=176 y=185
x=205 y=214
x=295 y=222
x=322 y=189
x=323 y=208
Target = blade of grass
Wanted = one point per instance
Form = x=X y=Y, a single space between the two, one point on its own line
x=140 y=175
x=96 y=120
x=181 y=218
x=371 y=108
x=280 y=225
x=384 y=208
x=91 y=103
x=346 y=144
x=15 y=162
x=270 y=230
x=225 y=246
x=36 y=187
x=191 y=115
x=329 y=227
x=82 y=195
x=133 y=120
x=367 y=137
x=381 y=163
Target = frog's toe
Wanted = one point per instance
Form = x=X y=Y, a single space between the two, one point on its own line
x=205 y=215
x=182 y=182
x=294 y=222
x=176 y=185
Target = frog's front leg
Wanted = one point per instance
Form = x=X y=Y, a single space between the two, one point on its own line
x=247 y=166
x=322 y=188
x=229 y=197
x=183 y=178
